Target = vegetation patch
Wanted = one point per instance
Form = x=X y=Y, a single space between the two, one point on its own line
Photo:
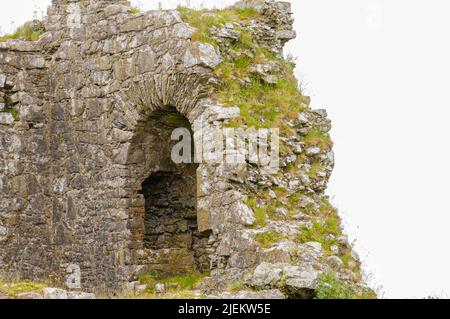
x=236 y=286
x=319 y=139
x=268 y=239
x=171 y=284
x=135 y=10
x=262 y=105
x=315 y=169
x=326 y=229
x=326 y=222
x=204 y=20
x=330 y=287
x=261 y=216
x=258 y=210
x=320 y=232
x=16 y=288
x=14 y=112
x=25 y=32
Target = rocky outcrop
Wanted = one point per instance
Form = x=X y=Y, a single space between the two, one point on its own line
x=86 y=114
x=54 y=293
x=264 y=294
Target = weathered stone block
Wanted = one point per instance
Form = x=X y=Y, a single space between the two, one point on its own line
x=203 y=218
x=2 y=80
x=146 y=61
x=123 y=69
x=6 y=119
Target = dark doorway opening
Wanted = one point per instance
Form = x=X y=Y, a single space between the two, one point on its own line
x=171 y=237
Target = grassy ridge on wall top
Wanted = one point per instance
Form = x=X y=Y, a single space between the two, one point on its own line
x=24 y=32
x=262 y=105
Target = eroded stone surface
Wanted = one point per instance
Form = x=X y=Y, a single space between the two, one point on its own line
x=264 y=294
x=56 y=293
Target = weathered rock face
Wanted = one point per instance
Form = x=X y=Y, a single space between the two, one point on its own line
x=89 y=194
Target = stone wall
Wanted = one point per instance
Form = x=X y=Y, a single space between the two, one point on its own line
x=70 y=182
x=79 y=142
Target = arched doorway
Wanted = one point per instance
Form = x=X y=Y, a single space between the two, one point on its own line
x=170 y=237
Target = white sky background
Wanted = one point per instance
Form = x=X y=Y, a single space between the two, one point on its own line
x=381 y=68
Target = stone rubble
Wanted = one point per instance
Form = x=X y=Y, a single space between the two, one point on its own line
x=263 y=294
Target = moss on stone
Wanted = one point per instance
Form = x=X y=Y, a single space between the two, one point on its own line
x=268 y=239
x=14 y=112
x=261 y=216
x=319 y=139
x=258 y=210
x=316 y=169
x=237 y=285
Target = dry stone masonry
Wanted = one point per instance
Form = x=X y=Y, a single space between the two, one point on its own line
x=89 y=195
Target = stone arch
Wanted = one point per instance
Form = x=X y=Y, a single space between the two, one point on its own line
x=165 y=235
x=186 y=91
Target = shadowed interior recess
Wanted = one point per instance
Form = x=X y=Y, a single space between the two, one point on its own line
x=171 y=222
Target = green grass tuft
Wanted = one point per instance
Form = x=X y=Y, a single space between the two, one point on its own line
x=259 y=211
x=330 y=287
x=15 y=288
x=318 y=138
x=176 y=283
x=236 y=286
x=268 y=239
x=315 y=169
x=203 y=20
x=23 y=33
x=261 y=216
x=326 y=222
x=247 y=13
x=135 y=10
